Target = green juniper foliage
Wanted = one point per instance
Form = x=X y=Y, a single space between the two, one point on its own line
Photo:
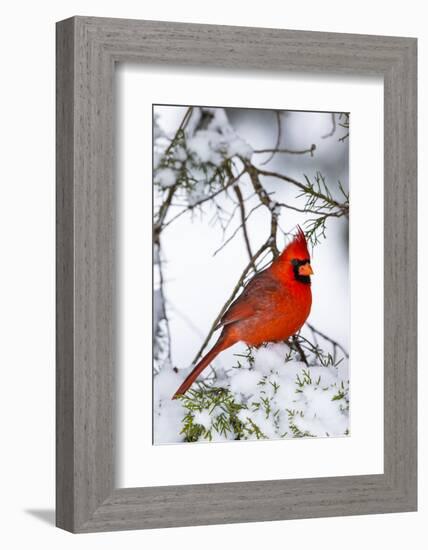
x=214 y=412
x=320 y=201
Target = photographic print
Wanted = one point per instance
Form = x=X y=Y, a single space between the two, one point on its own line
x=250 y=274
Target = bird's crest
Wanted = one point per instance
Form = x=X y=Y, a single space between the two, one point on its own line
x=298 y=247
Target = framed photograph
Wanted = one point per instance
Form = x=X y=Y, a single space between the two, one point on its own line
x=236 y=274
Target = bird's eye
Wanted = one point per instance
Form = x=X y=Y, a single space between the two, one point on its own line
x=295 y=262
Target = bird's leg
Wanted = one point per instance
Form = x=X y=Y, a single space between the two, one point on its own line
x=296 y=345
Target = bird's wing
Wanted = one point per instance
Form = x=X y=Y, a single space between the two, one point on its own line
x=258 y=295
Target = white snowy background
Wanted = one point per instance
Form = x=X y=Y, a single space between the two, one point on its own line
x=302 y=400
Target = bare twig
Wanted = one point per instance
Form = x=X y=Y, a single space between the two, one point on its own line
x=333 y=128
x=227 y=241
x=270 y=204
x=344 y=125
x=163 y=300
x=163 y=210
x=243 y=220
x=320 y=212
x=182 y=126
x=328 y=339
x=278 y=138
x=191 y=207
x=287 y=151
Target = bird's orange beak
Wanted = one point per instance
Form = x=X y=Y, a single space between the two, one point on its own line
x=305 y=270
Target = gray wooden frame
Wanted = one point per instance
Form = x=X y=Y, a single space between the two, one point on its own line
x=87 y=50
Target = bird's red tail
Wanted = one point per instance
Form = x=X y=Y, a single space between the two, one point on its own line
x=222 y=343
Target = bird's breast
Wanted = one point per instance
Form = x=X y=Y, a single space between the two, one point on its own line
x=283 y=318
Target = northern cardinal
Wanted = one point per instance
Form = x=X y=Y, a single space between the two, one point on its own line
x=273 y=306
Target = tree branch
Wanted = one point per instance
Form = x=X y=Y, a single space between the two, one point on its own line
x=270 y=204
x=304 y=188
x=205 y=199
x=235 y=290
x=243 y=220
x=182 y=126
x=227 y=241
x=288 y=151
x=278 y=138
x=333 y=128
x=334 y=343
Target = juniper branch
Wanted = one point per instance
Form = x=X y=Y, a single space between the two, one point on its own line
x=306 y=189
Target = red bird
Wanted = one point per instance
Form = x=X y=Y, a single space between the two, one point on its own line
x=272 y=307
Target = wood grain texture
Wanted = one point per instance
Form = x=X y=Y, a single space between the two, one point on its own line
x=64 y=278
x=87 y=49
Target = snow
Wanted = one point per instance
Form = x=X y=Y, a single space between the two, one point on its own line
x=157 y=129
x=239 y=147
x=282 y=396
x=267 y=358
x=206 y=145
x=244 y=381
x=204 y=149
x=165 y=177
x=203 y=418
x=213 y=147
x=167 y=422
x=167 y=413
x=198 y=191
x=158 y=308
